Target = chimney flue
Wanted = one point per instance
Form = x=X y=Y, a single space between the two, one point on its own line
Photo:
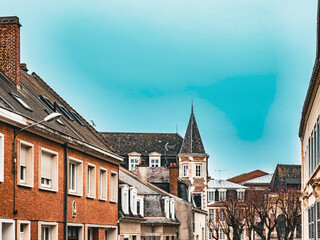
x=10 y=48
x=173 y=185
x=142 y=171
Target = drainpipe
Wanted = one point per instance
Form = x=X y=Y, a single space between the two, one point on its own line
x=14 y=160
x=65 y=222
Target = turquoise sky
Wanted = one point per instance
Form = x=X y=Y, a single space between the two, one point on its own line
x=135 y=65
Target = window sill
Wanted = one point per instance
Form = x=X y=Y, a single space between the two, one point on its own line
x=75 y=194
x=25 y=185
x=102 y=199
x=90 y=197
x=48 y=189
x=113 y=201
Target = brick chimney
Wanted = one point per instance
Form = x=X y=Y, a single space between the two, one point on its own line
x=173 y=179
x=10 y=48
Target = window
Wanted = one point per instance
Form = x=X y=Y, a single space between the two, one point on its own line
x=318 y=219
x=75 y=231
x=7 y=227
x=210 y=234
x=77 y=118
x=154 y=162
x=198 y=170
x=140 y=209
x=133 y=162
x=133 y=200
x=185 y=170
x=222 y=195
x=172 y=209
x=221 y=234
x=1 y=157
x=166 y=207
x=22 y=103
x=25 y=163
x=4 y=103
x=311 y=220
x=75 y=176
x=211 y=195
x=222 y=216
x=23 y=230
x=154 y=159
x=113 y=187
x=91 y=180
x=65 y=112
x=49 y=170
x=48 y=231
x=90 y=234
x=103 y=184
x=240 y=195
x=211 y=214
x=124 y=198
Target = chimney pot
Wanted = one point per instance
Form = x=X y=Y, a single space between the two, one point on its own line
x=23 y=67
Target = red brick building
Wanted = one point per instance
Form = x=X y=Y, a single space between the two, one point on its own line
x=58 y=179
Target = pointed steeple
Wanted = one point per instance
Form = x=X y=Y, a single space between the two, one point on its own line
x=192 y=142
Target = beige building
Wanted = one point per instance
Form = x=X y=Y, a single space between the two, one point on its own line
x=310 y=153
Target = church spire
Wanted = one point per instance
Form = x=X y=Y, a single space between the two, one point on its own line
x=192 y=142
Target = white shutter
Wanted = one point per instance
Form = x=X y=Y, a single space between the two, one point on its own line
x=46 y=165
x=23 y=155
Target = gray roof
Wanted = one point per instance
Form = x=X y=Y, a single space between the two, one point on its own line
x=144 y=143
x=264 y=180
x=192 y=142
x=32 y=86
x=157 y=174
x=224 y=184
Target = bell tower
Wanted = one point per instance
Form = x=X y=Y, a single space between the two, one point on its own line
x=193 y=162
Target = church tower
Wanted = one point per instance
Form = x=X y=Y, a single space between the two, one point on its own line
x=193 y=163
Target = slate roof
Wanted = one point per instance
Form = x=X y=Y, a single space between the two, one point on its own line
x=144 y=143
x=157 y=174
x=192 y=142
x=32 y=86
x=263 y=180
x=224 y=184
x=247 y=176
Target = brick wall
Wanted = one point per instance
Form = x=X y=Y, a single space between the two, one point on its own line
x=174 y=180
x=39 y=205
x=10 y=48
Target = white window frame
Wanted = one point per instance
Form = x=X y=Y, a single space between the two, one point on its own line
x=172 y=209
x=12 y=227
x=140 y=199
x=53 y=186
x=124 y=198
x=81 y=227
x=91 y=180
x=1 y=157
x=53 y=229
x=133 y=200
x=78 y=191
x=133 y=160
x=196 y=172
x=27 y=232
x=211 y=214
x=166 y=207
x=240 y=195
x=222 y=195
x=113 y=190
x=185 y=170
x=156 y=158
x=221 y=234
x=211 y=195
x=103 y=184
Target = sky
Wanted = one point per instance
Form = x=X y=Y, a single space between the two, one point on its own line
x=136 y=66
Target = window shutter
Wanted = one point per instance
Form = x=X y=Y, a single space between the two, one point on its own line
x=23 y=155
x=46 y=165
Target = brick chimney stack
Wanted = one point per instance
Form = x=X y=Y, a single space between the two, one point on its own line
x=10 y=48
x=173 y=179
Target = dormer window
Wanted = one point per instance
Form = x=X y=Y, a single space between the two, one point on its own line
x=154 y=159
x=166 y=207
x=222 y=195
x=133 y=200
x=140 y=209
x=124 y=198
x=134 y=159
x=211 y=195
x=172 y=213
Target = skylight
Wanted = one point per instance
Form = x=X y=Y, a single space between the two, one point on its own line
x=4 y=103
x=77 y=118
x=47 y=102
x=65 y=112
x=19 y=100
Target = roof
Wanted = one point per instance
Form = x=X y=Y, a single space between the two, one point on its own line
x=263 y=180
x=313 y=85
x=160 y=220
x=192 y=142
x=32 y=86
x=145 y=143
x=224 y=184
x=157 y=174
x=247 y=176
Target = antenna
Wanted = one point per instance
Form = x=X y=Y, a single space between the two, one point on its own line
x=176 y=128
x=220 y=170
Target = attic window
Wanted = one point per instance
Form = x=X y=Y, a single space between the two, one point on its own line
x=77 y=118
x=4 y=103
x=47 y=102
x=23 y=103
x=65 y=112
